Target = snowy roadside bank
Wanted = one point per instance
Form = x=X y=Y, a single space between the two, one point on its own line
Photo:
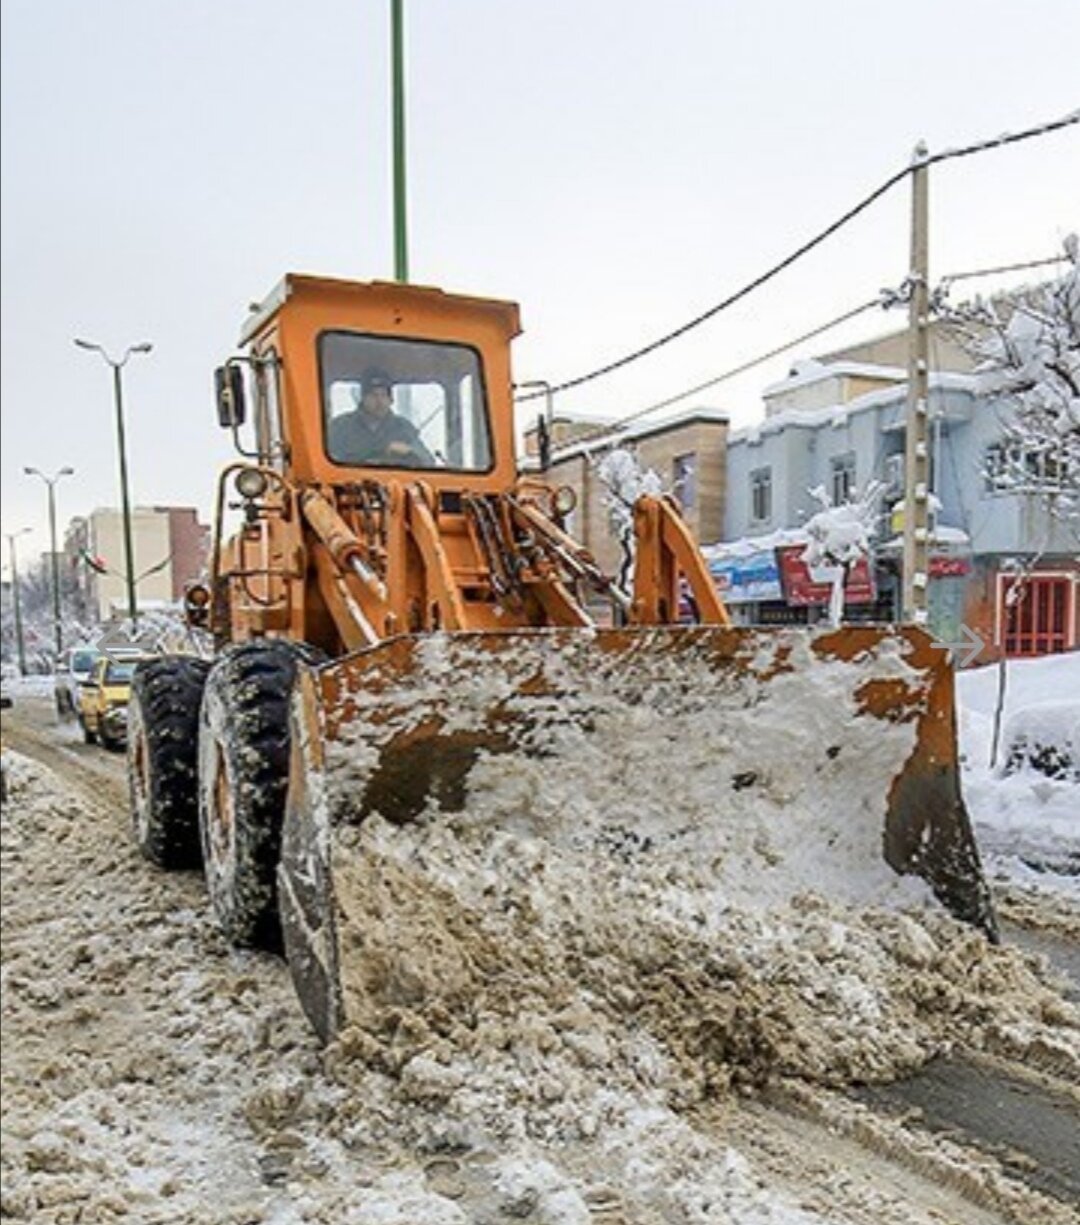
x=1027 y=825
x=152 y=1074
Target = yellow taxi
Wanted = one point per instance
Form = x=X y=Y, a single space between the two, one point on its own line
x=103 y=700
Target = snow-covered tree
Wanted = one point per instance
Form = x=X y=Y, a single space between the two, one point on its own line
x=840 y=536
x=1026 y=346
x=624 y=481
x=1027 y=350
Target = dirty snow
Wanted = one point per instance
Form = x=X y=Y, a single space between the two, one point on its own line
x=546 y=1008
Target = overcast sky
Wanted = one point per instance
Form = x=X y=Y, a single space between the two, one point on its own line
x=615 y=167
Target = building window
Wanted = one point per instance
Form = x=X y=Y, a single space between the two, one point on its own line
x=842 y=470
x=894 y=475
x=684 y=480
x=1009 y=467
x=761 y=495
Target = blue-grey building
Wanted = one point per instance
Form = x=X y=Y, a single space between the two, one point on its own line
x=839 y=424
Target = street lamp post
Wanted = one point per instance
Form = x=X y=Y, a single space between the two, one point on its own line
x=51 y=481
x=20 y=642
x=125 y=504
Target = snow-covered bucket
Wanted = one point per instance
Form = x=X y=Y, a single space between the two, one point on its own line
x=751 y=765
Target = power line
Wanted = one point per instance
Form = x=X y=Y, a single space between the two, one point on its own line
x=1024 y=267
x=922 y=159
x=614 y=426
x=996 y=142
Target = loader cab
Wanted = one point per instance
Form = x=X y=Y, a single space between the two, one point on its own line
x=349 y=381
x=391 y=403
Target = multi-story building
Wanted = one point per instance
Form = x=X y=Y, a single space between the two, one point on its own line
x=840 y=424
x=837 y=423
x=169 y=546
x=686 y=452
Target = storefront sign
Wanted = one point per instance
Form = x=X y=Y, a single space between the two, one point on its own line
x=949 y=567
x=750 y=579
x=804 y=585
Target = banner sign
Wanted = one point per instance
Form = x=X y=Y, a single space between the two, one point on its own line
x=949 y=567
x=749 y=579
x=803 y=585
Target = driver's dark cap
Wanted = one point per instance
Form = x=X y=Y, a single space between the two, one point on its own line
x=378 y=378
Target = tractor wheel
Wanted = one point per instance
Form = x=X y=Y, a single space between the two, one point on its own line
x=243 y=777
x=163 y=758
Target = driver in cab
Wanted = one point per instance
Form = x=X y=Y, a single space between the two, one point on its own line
x=372 y=433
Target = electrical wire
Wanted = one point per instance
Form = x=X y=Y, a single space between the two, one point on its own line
x=952 y=277
x=921 y=160
x=612 y=427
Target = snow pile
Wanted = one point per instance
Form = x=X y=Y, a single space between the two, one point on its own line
x=34 y=686
x=151 y=1074
x=1046 y=738
x=542 y=1032
x=573 y=953
x=1024 y=817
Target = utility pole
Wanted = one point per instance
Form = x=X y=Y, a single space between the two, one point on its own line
x=916 y=434
x=397 y=40
x=54 y=556
x=20 y=642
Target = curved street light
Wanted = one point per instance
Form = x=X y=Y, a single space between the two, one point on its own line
x=20 y=644
x=51 y=481
x=117 y=365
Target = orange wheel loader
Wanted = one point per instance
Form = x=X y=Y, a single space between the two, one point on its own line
x=398 y=607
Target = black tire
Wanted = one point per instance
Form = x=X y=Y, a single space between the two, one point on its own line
x=243 y=777
x=163 y=758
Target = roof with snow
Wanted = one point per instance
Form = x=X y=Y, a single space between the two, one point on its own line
x=837 y=414
x=638 y=429
x=806 y=373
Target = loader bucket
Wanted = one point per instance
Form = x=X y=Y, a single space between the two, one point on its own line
x=786 y=761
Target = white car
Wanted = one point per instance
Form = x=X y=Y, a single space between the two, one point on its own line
x=73 y=669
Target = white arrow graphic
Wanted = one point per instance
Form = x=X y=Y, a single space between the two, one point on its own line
x=967 y=650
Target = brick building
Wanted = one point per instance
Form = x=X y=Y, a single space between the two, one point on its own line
x=170 y=550
x=686 y=452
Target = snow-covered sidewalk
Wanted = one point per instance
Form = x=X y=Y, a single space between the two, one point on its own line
x=1027 y=825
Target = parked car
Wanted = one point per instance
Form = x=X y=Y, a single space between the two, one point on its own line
x=72 y=669
x=103 y=701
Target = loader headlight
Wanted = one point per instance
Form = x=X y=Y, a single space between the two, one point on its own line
x=251 y=483
x=197 y=596
x=197 y=604
x=564 y=499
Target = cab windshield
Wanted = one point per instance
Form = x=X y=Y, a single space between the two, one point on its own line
x=391 y=403
x=119 y=674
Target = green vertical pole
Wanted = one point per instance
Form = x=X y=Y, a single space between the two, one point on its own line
x=401 y=253
x=57 y=632
x=125 y=500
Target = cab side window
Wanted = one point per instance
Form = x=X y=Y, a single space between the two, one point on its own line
x=268 y=430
